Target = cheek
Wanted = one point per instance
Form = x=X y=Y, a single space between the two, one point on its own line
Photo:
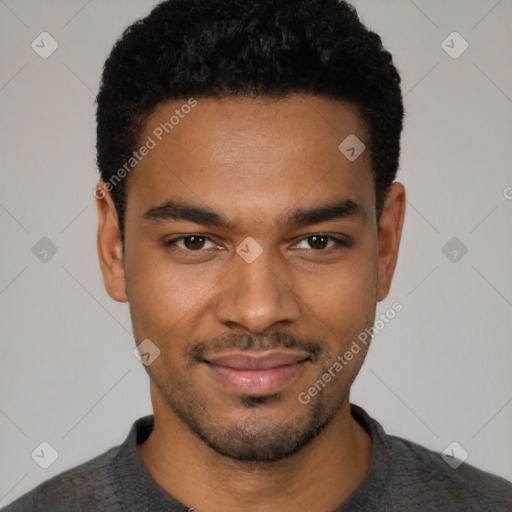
x=346 y=286
x=342 y=299
x=346 y=308
x=163 y=296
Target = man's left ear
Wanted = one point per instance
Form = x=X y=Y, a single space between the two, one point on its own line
x=391 y=222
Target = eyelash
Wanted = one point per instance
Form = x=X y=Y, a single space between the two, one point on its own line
x=339 y=243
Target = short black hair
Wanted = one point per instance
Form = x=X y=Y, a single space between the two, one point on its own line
x=229 y=48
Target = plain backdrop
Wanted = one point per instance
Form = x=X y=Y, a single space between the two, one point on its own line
x=439 y=372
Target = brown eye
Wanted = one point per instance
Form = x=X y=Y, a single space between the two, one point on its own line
x=190 y=243
x=318 y=241
x=194 y=242
x=323 y=243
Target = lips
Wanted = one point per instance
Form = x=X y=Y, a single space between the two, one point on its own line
x=257 y=361
x=257 y=373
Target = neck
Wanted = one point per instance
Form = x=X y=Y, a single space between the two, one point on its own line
x=321 y=476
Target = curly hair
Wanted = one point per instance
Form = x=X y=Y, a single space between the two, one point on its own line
x=267 y=48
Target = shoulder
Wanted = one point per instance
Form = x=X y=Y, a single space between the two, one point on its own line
x=418 y=474
x=407 y=476
x=101 y=483
x=79 y=488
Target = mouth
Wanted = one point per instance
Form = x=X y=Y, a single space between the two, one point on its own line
x=257 y=373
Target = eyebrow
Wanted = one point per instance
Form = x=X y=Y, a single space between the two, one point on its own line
x=333 y=210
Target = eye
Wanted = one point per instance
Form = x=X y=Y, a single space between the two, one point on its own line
x=190 y=243
x=319 y=242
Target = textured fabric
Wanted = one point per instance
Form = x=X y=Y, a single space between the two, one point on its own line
x=403 y=477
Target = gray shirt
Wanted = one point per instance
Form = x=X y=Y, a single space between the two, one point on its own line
x=403 y=476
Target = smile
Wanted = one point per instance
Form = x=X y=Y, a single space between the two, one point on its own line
x=257 y=374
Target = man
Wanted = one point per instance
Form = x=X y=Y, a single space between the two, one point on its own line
x=248 y=214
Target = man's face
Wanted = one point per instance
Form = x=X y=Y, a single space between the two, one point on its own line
x=250 y=312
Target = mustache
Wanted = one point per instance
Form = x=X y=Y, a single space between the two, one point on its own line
x=198 y=349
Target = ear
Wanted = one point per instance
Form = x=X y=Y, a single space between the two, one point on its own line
x=110 y=253
x=391 y=222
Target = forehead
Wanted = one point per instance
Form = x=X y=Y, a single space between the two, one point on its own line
x=239 y=153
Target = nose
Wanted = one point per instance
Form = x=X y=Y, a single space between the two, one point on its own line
x=255 y=296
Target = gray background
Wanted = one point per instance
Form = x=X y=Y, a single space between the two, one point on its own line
x=439 y=372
